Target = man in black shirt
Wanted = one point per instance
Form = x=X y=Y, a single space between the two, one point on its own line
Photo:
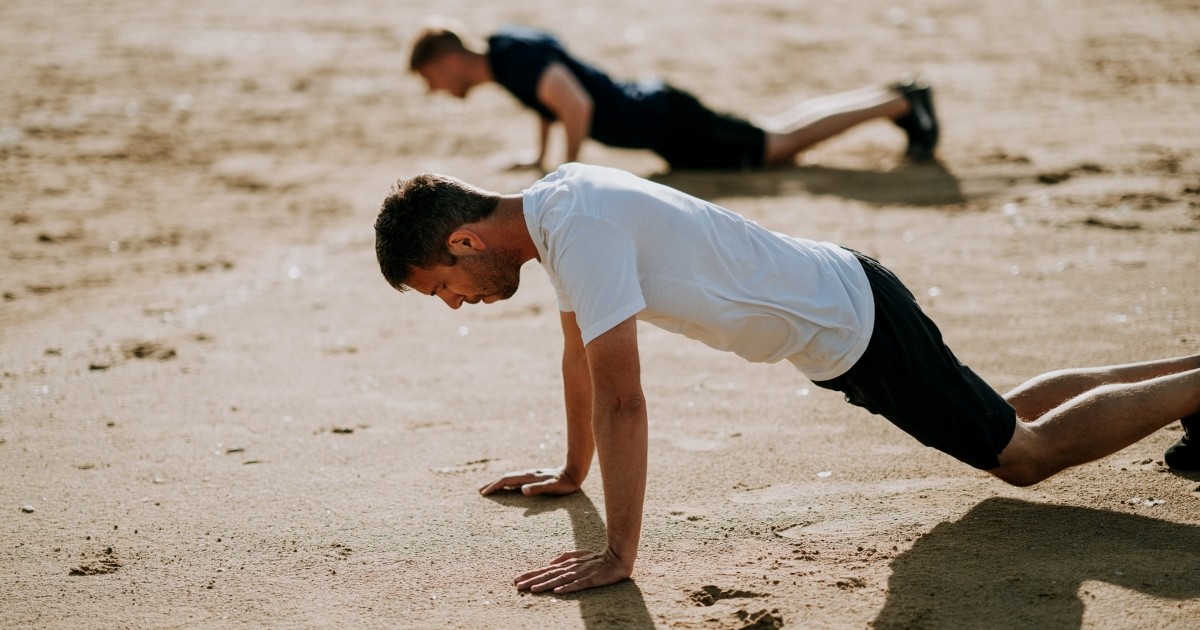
x=535 y=68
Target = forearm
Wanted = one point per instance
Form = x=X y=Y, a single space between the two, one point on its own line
x=577 y=394
x=621 y=441
x=577 y=127
x=570 y=102
x=543 y=140
x=618 y=434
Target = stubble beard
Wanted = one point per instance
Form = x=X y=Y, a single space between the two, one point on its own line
x=495 y=273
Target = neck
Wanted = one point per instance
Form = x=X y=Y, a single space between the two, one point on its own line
x=509 y=221
x=478 y=68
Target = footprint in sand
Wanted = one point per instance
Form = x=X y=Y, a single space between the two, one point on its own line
x=137 y=349
x=711 y=594
x=757 y=620
x=133 y=349
x=760 y=620
x=97 y=563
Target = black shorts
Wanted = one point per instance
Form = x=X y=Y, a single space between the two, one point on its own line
x=699 y=138
x=910 y=377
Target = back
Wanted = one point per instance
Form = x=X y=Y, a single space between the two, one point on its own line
x=625 y=114
x=616 y=245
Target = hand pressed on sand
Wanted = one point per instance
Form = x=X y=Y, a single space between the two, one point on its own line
x=553 y=481
x=575 y=571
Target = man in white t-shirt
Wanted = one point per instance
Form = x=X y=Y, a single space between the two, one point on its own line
x=619 y=248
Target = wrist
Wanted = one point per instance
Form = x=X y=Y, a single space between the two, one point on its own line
x=575 y=474
x=624 y=559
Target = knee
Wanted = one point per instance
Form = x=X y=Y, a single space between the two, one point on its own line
x=1023 y=462
x=1021 y=473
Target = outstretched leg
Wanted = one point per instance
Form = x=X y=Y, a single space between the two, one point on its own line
x=1040 y=394
x=1097 y=421
x=821 y=118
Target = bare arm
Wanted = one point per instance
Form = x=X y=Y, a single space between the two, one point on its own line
x=562 y=94
x=577 y=394
x=539 y=160
x=619 y=428
x=619 y=423
x=581 y=446
x=543 y=139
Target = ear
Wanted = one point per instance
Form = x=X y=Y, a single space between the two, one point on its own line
x=464 y=242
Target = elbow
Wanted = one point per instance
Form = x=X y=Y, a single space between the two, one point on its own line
x=621 y=407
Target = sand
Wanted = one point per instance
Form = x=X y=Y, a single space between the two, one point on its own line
x=214 y=412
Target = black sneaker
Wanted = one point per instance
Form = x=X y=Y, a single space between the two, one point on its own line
x=1184 y=455
x=920 y=123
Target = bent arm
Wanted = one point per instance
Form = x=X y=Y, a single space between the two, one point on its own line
x=619 y=426
x=562 y=94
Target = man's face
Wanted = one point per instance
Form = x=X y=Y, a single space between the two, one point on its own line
x=487 y=276
x=444 y=74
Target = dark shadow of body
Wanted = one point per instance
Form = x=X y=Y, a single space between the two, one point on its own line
x=618 y=606
x=1035 y=556
x=926 y=184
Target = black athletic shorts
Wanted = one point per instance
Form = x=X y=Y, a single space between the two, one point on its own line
x=910 y=377
x=699 y=138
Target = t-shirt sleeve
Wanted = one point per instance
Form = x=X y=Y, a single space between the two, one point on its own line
x=519 y=66
x=595 y=265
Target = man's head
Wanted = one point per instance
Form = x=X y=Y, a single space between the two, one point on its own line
x=443 y=57
x=425 y=240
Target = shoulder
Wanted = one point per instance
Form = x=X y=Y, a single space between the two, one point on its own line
x=522 y=38
x=562 y=198
x=575 y=179
x=518 y=58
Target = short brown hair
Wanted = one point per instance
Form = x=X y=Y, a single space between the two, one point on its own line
x=439 y=36
x=416 y=219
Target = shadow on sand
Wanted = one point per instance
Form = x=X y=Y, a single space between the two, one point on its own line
x=618 y=606
x=927 y=184
x=1035 y=556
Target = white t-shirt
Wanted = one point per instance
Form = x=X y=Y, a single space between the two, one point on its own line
x=616 y=245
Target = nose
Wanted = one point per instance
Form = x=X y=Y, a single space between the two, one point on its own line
x=453 y=300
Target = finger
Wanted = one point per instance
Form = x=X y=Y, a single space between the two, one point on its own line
x=590 y=581
x=525 y=579
x=492 y=487
x=538 y=573
x=583 y=576
x=554 y=583
x=564 y=562
x=546 y=486
x=592 y=575
x=534 y=579
x=510 y=481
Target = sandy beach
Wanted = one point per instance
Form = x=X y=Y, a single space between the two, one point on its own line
x=214 y=413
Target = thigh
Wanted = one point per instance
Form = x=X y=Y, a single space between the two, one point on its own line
x=699 y=138
x=910 y=377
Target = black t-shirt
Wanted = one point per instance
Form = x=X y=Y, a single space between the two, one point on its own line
x=624 y=114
